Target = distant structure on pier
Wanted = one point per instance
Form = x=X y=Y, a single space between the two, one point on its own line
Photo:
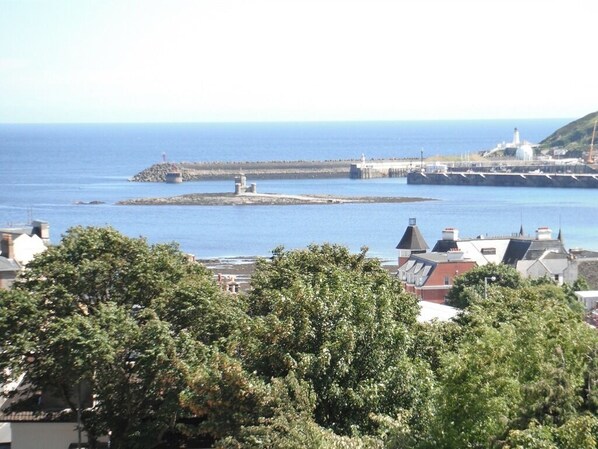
x=241 y=185
x=523 y=150
x=174 y=177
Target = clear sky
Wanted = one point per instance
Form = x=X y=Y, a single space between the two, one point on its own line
x=295 y=60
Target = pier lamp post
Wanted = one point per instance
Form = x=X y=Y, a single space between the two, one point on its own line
x=492 y=278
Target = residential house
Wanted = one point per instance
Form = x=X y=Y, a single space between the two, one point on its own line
x=430 y=275
x=533 y=256
x=18 y=246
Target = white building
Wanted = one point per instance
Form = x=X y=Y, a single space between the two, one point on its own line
x=18 y=246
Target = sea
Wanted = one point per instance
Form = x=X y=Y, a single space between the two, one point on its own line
x=48 y=170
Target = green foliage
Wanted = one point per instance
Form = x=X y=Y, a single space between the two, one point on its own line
x=120 y=315
x=324 y=352
x=476 y=283
x=432 y=340
x=579 y=432
x=525 y=358
x=340 y=322
x=291 y=432
x=573 y=135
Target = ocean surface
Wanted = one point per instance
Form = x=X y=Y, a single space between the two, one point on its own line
x=46 y=169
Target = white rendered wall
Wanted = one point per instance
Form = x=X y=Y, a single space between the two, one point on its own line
x=25 y=247
x=472 y=249
x=5 y=433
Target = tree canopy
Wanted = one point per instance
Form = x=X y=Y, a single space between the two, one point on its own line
x=120 y=315
x=324 y=351
x=340 y=323
x=474 y=283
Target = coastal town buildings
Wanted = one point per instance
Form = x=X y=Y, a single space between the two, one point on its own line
x=430 y=275
x=18 y=246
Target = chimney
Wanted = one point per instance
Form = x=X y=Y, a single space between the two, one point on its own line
x=41 y=229
x=450 y=234
x=7 y=247
x=544 y=233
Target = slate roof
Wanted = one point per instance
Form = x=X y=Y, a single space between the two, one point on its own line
x=444 y=246
x=518 y=248
x=413 y=239
x=25 y=404
x=516 y=251
x=539 y=247
x=9 y=265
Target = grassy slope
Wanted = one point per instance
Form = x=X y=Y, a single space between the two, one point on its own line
x=576 y=134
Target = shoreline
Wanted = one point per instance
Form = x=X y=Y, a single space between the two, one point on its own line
x=241 y=268
x=262 y=199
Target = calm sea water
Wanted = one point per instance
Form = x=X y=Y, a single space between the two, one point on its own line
x=46 y=169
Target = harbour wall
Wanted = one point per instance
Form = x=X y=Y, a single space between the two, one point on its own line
x=587 y=181
x=203 y=171
x=198 y=171
x=385 y=169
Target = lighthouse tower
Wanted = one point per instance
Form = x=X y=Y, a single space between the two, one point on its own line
x=516 y=141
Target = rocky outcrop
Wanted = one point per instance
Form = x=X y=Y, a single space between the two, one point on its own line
x=256 y=199
x=156 y=173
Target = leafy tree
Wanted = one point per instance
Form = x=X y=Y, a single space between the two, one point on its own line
x=579 y=432
x=340 y=322
x=336 y=322
x=525 y=359
x=475 y=283
x=126 y=318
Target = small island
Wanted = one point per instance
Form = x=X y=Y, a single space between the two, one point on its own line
x=261 y=199
x=246 y=195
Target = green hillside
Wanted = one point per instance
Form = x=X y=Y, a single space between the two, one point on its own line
x=575 y=135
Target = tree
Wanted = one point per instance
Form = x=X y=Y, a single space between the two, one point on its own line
x=340 y=322
x=475 y=283
x=526 y=359
x=126 y=318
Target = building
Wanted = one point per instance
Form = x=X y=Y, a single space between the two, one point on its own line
x=42 y=420
x=412 y=242
x=430 y=312
x=533 y=256
x=18 y=246
x=430 y=276
x=588 y=298
x=584 y=264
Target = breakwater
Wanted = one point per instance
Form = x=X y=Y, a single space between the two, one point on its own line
x=381 y=169
x=198 y=171
x=568 y=180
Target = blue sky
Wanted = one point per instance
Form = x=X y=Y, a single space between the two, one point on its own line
x=294 y=60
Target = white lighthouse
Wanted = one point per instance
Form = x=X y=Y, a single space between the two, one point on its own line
x=516 y=141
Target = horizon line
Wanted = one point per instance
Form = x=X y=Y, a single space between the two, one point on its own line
x=219 y=122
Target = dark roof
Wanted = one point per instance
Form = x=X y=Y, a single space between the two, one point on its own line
x=516 y=251
x=413 y=239
x=584 y=253
x=26 y=404
x=443 y=246
x=16 y=231
x=539 y=247
x=9 y=265
x=524 y=249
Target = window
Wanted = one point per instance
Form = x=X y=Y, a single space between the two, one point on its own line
x=489 y=251
x=447 y=280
